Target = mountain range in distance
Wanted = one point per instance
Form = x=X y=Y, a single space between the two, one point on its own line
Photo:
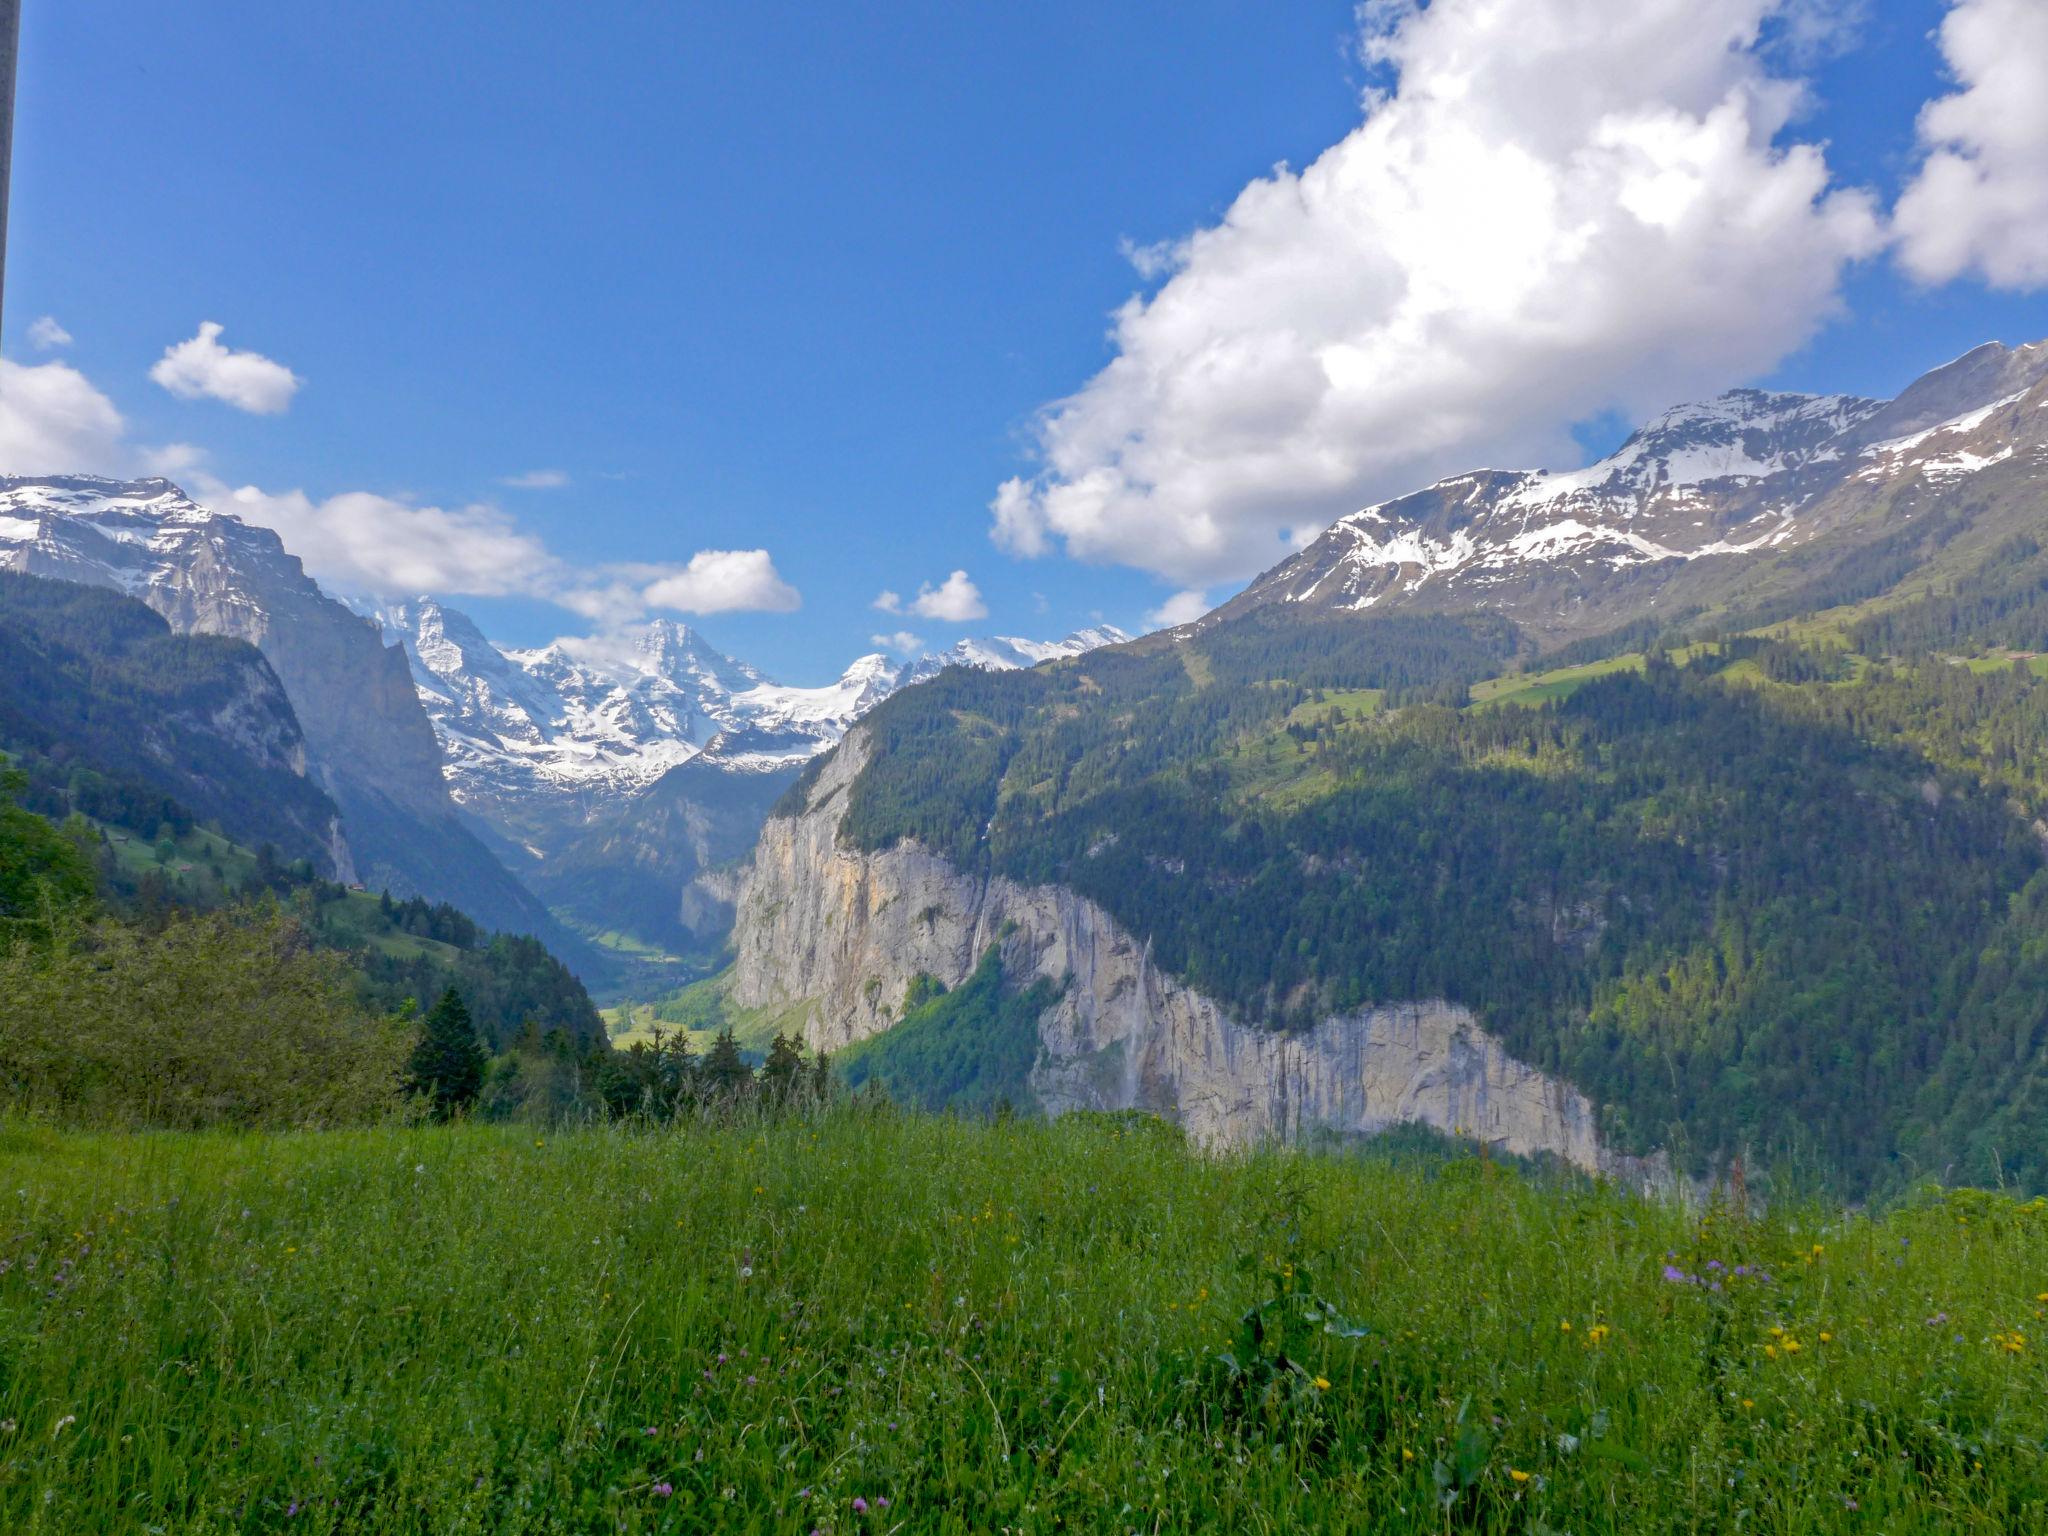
x=609 y=784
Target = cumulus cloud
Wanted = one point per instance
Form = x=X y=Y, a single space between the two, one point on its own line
x=45 y=334
x=53 y=422
x=1181 y=608
x=201 y=367
x=956 y=600
x=724 y=581
x=1552 y=209
x=365 y=542
x=902 y=641
x=1979 y=202
x=537 y=480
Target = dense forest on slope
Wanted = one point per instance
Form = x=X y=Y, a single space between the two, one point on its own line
x=112 y=714
x=1778 y=900
x=970 y=1049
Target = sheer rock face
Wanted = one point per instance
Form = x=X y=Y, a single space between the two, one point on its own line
x=847 y=931
x=368 y=742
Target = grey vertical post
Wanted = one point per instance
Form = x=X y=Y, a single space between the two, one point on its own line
x=10 y=45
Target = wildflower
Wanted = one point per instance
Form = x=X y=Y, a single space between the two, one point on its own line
x=860 y=1505
x=663 y=1490
x=1770 y=1351
x=1791 y=1346
x=1565 y=1326
x=1827 y=1338
x=1406 y=1454
x=1323 y=1383
x=1597 y=1333
x=1749 y=1402
x=2012 y=1343
x=1518 y=1474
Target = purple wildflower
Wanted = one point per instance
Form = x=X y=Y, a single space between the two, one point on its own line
x=1676 y=1275
x=750 y=1381
x=292 y=1510
x=860 y=1505
x=663 y=1490
x=650 y=1431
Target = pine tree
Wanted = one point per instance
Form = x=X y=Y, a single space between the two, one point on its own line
x=726 y=1073
x=783 y=1073
x=448 y=1064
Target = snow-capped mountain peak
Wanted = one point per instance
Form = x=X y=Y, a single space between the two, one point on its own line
x=1744 y=474
x=1002 y=653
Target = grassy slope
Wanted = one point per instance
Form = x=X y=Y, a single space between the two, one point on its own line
x=698 y=1012
x=1011 y=1325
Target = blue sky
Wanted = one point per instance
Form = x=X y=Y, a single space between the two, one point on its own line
x=801 y=279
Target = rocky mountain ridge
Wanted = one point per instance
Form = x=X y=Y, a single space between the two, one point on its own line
x=1704 y=507
x=370 y=745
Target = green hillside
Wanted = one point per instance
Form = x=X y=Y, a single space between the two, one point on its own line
x=1757 y=897
x=111 y=714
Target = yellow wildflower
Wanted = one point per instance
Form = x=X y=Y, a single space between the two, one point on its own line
x=1406 y=1454
x=1827 y=1338
x=1323 y=1383
x=1749 y=1402
x=1518 y=1474
x=1771 y=1351
x=1565 y=1326
x=1791 y=1346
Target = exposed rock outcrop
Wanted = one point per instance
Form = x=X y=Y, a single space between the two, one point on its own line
x=846 y=931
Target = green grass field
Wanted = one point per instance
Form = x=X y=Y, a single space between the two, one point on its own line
x=869 y=1322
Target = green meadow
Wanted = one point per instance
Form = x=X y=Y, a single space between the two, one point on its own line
x=863 y=1320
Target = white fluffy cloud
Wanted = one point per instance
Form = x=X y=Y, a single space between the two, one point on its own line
x=724 y=581
x=1181 y=608
x=956 y=600
x=45 y=334
x=537 y=480
x=1553 y=208
x=365 y=542
x=53 y=422
x=1980 y=200
x=202 y=367
x=902 y=641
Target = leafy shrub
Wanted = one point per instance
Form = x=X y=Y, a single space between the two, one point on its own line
x=222 y=1018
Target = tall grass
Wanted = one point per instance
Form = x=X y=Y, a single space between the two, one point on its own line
x=871 y=1322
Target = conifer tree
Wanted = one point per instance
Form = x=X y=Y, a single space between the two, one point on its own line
x=448 y=1064
x=783 y=1073
x=726 y=1073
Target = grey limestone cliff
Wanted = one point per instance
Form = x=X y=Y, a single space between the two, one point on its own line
x=845 y=930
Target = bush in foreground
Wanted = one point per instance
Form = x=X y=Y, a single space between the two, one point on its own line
x=870 y=1321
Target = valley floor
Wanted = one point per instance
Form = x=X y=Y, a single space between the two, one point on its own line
x=871 y=1321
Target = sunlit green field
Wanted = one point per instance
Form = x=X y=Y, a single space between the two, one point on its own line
x=866 y=1322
